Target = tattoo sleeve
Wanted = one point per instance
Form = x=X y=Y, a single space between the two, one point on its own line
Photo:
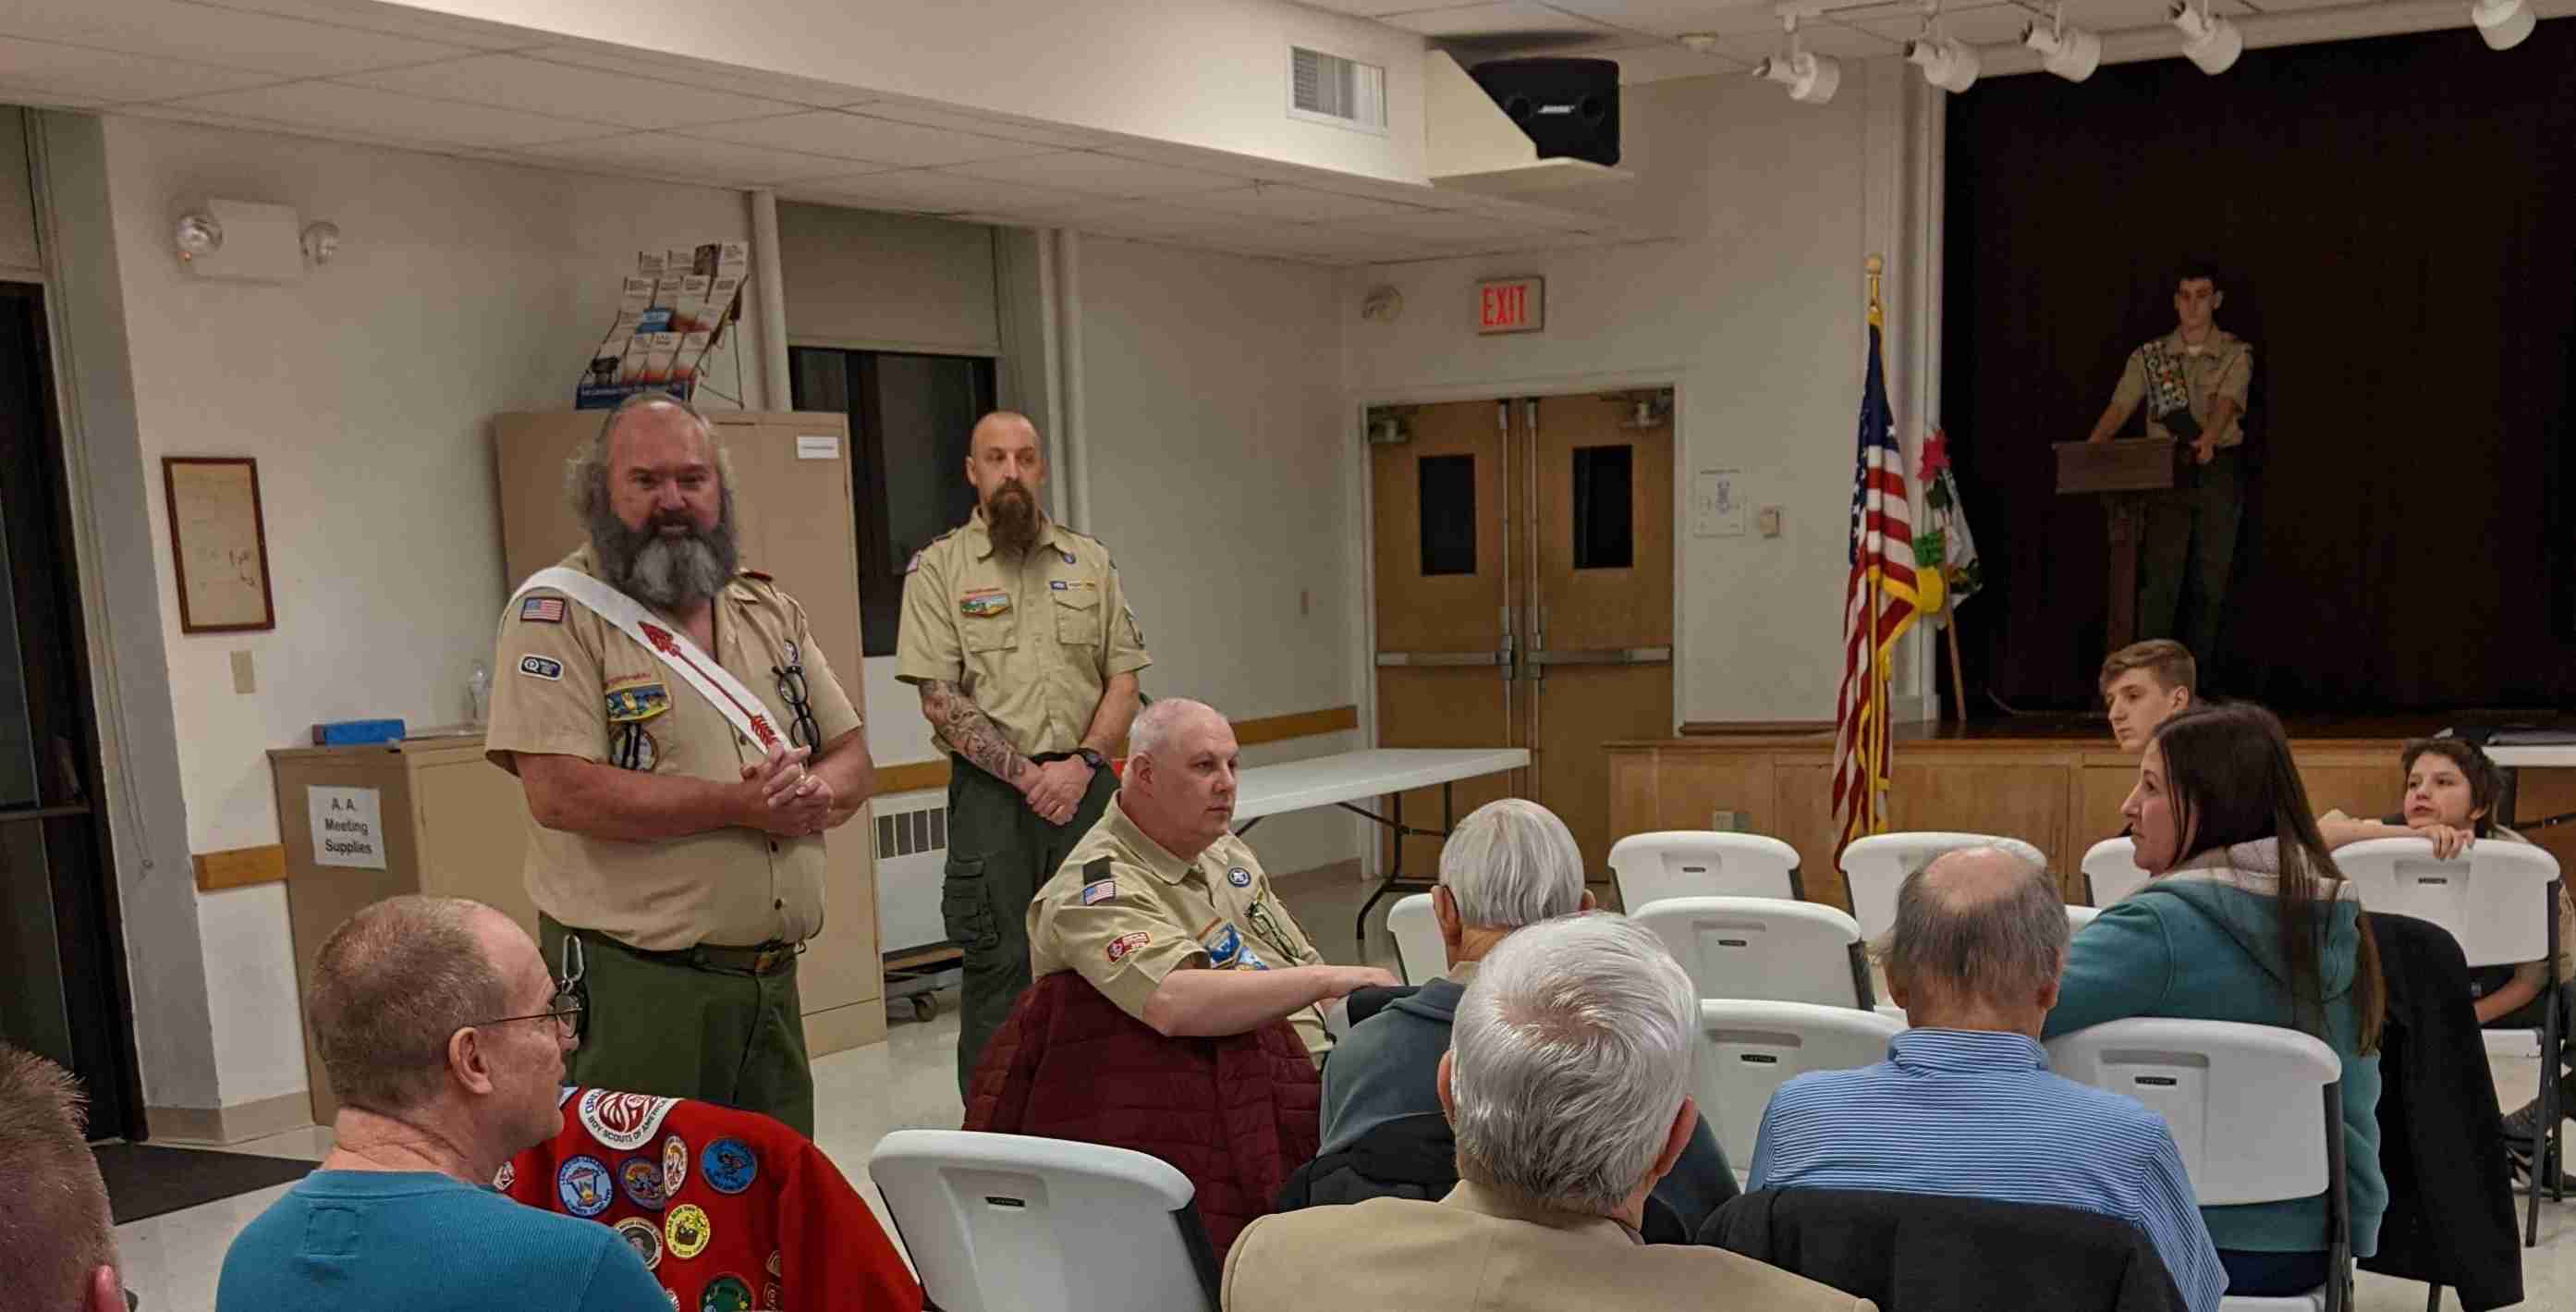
x=969 y=732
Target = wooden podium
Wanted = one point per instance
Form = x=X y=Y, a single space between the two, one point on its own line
x=2121 y=473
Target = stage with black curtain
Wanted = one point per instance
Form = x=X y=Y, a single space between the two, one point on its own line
x=2395 y=224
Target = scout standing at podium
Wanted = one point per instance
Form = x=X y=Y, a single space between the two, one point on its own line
x=2194 y=381
x=683 y=746
x=1021 y=642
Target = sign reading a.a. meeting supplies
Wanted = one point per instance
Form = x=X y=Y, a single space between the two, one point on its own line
x=348 y=827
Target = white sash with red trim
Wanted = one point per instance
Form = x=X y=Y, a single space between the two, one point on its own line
x=739 y=706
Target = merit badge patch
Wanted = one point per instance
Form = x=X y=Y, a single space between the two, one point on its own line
x=675 y=1167
x=541 y=610
x=541 y=667
x=624 y=1121
x=1239 y=877
x=1099 y=891
x=634 y=700
x=728 y=1165
x=505 y=1177
x=984 y=603
x=582 y=1186
x=686 y=1231
x=1126 y=943
x=725 y=1293
x=641 y=1179
x=644 y=1237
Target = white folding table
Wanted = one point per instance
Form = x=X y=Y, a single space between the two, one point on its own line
x=1346 y=777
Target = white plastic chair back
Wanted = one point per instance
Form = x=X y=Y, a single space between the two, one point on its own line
x=1749 y=1048
x=1874 y=867
x=1009 y=1222
x=2494 y=898
x=1417 y=938
x=2111 y=870
x=1701 y=863
x=2078 y=917
x=2227 y=1091
x=1761 y=947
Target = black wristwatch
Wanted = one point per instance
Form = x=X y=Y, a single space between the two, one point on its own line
x=1091 y=758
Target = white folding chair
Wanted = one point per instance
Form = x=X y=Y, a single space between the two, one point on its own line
x=1702 y=863
x=2500 y=900
x=1874 y=867
x=2078 y=917
x=1417 y=938
x=1748 y=1048
x=2111 y=871
x=2228 y=1092
x=1762 y=947
x=1006 y=1222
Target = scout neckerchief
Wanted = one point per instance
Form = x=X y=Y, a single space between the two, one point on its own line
x=714 y=682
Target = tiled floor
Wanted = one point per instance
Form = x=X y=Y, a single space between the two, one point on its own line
x=909 y=1082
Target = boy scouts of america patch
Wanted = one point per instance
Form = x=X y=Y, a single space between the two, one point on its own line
x=984 y=602
x=1126 y=943
x=675 y=1166
x=624 y=1121
x=641 y=1179
x=686 y=1231
x=644 y=1237
x=728 y=1165
x=541 y=610
x=583 y=1188
x=1239 y=877
x=725 y=1293
x=1099 y=891
x=541 y=667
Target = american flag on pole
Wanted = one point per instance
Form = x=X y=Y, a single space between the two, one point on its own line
x=1878 y=605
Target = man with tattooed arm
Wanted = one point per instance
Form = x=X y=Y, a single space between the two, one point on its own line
x=1025 y=652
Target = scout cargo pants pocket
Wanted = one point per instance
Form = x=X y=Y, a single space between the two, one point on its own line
x=964 y=908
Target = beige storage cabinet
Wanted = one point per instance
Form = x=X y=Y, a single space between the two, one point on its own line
x=791 y=482
x=447 y=822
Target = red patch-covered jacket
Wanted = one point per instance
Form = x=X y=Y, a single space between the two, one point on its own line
x=730 y=1210
x=1236 y=1115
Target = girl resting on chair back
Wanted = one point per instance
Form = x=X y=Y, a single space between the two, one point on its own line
x=2246 y=919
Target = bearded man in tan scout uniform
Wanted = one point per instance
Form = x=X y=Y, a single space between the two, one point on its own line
x=1167 y=913
x=1019 y=638
x=2194 y=380
x=676 y=864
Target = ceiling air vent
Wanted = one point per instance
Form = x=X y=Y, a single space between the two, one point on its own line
x=1331 y=89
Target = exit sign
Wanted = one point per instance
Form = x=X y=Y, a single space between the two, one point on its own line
x=1511 y=305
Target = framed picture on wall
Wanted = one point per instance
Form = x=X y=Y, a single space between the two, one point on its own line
x=218 y=544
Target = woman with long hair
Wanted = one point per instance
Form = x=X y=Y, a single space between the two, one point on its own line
x=2245 y=918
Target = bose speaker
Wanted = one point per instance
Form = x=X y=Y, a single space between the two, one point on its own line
x=1569 y=108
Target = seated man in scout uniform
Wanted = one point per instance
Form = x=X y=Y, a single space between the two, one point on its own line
x=1167 y=913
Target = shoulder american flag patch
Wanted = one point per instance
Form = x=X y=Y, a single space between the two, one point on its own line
x=542 y=610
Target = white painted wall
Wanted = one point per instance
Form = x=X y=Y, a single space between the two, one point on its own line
x=870 y=281
x=1754 y=308
x=461 y=289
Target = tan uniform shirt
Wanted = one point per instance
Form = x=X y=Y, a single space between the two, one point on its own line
x=1033 y=641
x=2223 y=365
x=569 y=683
x=1124 y=912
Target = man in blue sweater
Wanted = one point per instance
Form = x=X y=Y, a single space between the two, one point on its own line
x=445 y=1040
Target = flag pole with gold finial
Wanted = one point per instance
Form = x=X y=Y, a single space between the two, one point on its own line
x=1874 y=717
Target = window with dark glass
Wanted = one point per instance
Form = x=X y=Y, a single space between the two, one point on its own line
x=1605 y=522
x=1448 y=492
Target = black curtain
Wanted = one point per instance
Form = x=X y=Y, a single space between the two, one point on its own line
x=2395 y=225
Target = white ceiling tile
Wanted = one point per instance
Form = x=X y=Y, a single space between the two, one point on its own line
x=668 y=154
x=706 y=73
x=108 y=77
x=869 y=140
x=329 y=106
x=1437 y=228
x=1668 y=62
x=1830 y=38
x=1983 y=25
x=1368 y=8
x=1290 y=204
x=566 y=91
x=1674 y=17
x=201 y=34
x=933 y=191
x=393 y=19
x=1497 y=19
x=992 y=125
x=1100 y=175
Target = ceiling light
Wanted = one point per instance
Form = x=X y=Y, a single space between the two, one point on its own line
x=2213 y=43
x=1949 y=65
x=198 y=234
x=1811 y=79
x=2069 y=52
x=2503 y=23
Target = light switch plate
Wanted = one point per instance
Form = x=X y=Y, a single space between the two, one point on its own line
x=244 y=679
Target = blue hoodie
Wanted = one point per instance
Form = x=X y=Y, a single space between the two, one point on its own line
x=2202 y=942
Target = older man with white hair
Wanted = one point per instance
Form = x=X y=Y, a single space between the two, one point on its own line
x=1965 y=1105
x=1167 y=913
x=1508 y=865
x=1568 y=1085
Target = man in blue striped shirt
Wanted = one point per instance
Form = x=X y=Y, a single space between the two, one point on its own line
x=1965 y=1105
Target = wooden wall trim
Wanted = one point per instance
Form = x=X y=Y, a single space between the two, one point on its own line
x=915 y=776
x=240 y=867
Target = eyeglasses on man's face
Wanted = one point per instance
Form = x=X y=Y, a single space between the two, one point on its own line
x=565 y=1010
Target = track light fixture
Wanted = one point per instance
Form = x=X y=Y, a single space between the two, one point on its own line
x=2209 y=41
x=1947 y=64
x=1811 y=79
x=2069 y=52
x=2503 y=23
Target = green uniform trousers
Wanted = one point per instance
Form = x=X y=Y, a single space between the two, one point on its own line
x=999 y=854
x=658 y=1023
x=2190 y=541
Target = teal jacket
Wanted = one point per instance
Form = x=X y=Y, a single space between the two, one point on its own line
x=2202 y=942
